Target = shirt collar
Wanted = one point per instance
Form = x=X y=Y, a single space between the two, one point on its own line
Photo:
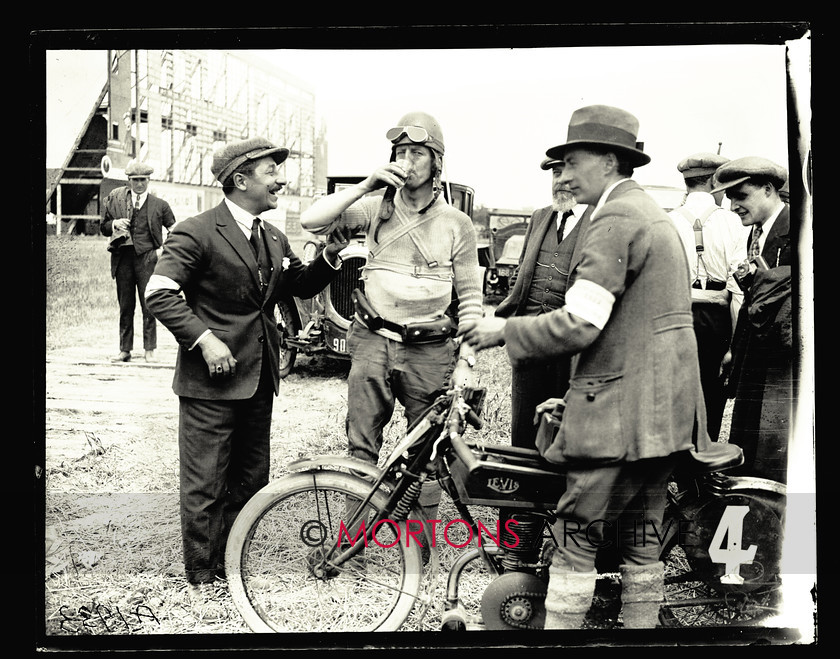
x=606 y=194
x=242 y=217
x=768 y=223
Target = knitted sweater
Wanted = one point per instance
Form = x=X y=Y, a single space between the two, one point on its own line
x=400 y=283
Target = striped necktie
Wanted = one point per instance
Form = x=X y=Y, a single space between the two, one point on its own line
x=258 y=246
x=755 y=248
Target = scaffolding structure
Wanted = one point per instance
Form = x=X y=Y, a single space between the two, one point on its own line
x=174 y=109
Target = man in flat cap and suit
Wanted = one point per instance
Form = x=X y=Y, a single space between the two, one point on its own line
x=634 y=401
x=762 y=379
x=715 y=242
x=215 y=288
x=135 y=220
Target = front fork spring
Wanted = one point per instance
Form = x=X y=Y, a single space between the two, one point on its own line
x=403 y=507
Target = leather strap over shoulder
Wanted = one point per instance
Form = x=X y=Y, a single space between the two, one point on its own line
x=408 y=228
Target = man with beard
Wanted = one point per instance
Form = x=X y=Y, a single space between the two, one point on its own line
x=551 y=249
x=401 y=339
x=634 y=402
x=549 y=253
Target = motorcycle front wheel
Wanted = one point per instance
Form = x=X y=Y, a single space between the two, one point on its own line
x=277 y=580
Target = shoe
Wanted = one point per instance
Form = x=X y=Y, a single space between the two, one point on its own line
x=122 y=357
x=150 y=356
x=205 y=600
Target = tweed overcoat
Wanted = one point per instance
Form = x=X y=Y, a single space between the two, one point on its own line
x=635 y=389
x=211 y=259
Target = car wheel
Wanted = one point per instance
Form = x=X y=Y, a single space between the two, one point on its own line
x=287 y=323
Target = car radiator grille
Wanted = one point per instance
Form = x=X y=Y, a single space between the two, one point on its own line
x=341 y=288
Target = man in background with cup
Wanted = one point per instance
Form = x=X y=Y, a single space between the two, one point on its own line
x=401 y=338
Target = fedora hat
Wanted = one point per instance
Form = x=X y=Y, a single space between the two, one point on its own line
x=606 y=126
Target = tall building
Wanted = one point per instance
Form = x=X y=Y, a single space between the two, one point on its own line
x=173 y=109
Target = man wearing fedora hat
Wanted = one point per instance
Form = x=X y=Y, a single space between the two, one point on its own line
x=550 y=250
x=762 y=378
x=714 y=241
x=634 y=400
x=135 y=220
x=215 y=288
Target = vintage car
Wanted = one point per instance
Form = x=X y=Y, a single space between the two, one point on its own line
x=666 y=196
x=500 y=257
x=506 y=235
x=319 y=325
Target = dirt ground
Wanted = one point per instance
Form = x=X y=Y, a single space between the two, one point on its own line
x=88 y=395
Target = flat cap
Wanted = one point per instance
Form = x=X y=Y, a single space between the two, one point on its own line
x=700 y=164
x=739 y=170
x=135 y=168
x=231 y=156
x=549 y=163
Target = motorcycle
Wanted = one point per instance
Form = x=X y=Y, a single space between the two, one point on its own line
x=341 y=545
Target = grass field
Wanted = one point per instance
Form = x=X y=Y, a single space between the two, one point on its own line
x=112 y=531
x=113 y=561
x=81 y=300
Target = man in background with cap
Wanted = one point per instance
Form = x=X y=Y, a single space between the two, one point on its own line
x=401 y=338
x=134 y=219
x=215 y=288
x=763 y=379
x=715 y=242
x=634 y=400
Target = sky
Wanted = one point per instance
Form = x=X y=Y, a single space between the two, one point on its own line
x=500 y=109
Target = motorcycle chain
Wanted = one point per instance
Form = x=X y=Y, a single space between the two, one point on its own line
x=506 y=604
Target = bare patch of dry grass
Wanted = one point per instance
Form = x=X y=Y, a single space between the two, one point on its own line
x=113 y=545
x=112 y=534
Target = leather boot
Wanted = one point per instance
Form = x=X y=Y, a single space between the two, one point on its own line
x=569 y=595
x=642 y=593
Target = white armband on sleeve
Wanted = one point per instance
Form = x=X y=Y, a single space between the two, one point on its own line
x=590 y=302
x=161 y=283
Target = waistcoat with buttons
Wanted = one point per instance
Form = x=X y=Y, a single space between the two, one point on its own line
x=140 y=233
x=551 y=274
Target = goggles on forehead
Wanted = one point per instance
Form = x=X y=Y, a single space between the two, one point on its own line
x=414 y=133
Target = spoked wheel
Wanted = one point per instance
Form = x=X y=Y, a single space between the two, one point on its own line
x=744 y=529
x=288 y=325
x=279 y=582
x=691 y=602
